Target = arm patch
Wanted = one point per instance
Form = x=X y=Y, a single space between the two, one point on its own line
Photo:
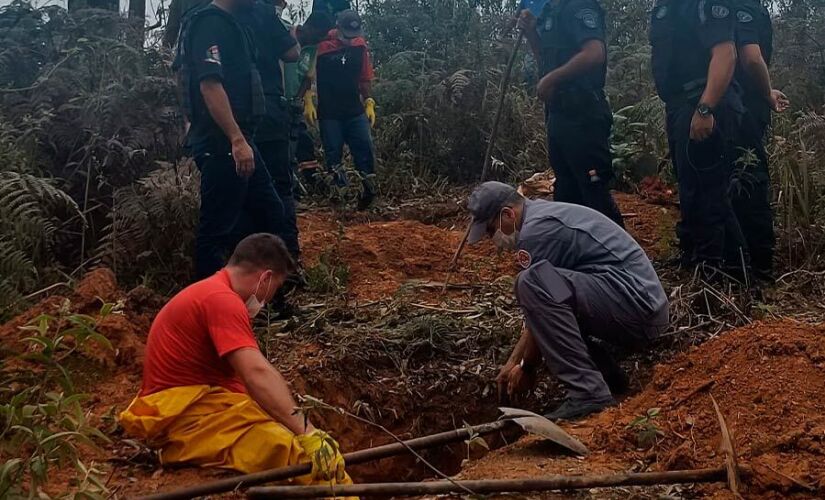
x=589 y=18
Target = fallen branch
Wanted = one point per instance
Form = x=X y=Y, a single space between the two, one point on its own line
x=444 y=309
x=727 y=447
x=547 y=483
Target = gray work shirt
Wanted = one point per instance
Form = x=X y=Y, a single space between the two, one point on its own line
x=580 y=239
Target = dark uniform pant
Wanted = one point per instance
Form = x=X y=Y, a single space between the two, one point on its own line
x=577 y=144
x=709 y=231
x=751 y=189
x=563 y=309
x=276 y=156
x=227 y=200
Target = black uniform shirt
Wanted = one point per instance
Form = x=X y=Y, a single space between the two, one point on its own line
x=753 y=27
x=563 y=27
x=682 y=35
x=272 y=39
x=219 y=48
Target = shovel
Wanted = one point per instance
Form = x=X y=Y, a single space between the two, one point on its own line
x=528 y=421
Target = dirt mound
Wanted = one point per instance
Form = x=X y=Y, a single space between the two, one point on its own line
x=769 y=380
x=126 y=329
x=383 y=256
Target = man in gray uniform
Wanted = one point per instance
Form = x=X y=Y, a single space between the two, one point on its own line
x=583 y=277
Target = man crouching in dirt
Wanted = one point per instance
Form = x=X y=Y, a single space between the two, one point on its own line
x=209 y=396
x=584 y=277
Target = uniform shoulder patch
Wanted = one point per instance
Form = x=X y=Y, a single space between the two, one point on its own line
x=213 y=55
x=588 y=17
x=744 y=16
x=524 y=259
x=719 y=11
x=661 y=12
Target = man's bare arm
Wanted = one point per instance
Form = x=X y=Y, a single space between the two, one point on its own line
x=268 y=388
x=592 y=55
x=751 y=60
x=217 y=102
x=720 y=73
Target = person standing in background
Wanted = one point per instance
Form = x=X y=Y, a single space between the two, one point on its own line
x=346 y=109
x=751 y=191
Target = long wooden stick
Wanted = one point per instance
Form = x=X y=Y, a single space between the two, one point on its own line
x=482 y=487
x=502 y=94
x=488 y=155
x=353 y=458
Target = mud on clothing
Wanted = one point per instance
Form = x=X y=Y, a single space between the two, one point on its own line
x=682 y=36
x=191 y=335
x=578 y=117
x=584 y=276
x=751 y=186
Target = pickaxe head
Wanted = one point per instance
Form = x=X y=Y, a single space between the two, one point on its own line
x=541 y=426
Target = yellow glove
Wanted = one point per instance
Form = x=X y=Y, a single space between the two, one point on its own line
x=310 y=113
x=324 y=454
x=369 y=108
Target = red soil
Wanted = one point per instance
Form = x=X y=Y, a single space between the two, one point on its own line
x=769 y=380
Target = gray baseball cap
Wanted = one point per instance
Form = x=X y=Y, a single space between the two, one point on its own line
x=486 y=202
x=349 y=24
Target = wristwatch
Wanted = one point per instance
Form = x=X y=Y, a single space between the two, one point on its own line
x=704 y=110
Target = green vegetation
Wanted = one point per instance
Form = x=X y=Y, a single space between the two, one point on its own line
x=43 y=422
x=645 y=428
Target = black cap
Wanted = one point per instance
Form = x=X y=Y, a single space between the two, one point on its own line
x=485 y=203
x=349 y=24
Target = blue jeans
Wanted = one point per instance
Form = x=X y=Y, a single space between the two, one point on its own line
x=231 y=206
x=355 y=133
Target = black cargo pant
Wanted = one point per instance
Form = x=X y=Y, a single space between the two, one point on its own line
x=709 y=231
x=564 y=309
x=578 y=143
x=751 y=187
x=276 y=156
x=229 y=202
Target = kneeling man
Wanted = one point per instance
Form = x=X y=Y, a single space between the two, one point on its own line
x=209 y=396
x=583 y=277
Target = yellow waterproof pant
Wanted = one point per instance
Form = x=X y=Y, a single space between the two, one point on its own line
x=212 y=427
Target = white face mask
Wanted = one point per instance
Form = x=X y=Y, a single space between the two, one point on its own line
x=505 y=242
x=253 y=304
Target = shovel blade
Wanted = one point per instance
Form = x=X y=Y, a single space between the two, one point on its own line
x=541 y=426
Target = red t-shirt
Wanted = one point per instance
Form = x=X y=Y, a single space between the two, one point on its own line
x=193 y=333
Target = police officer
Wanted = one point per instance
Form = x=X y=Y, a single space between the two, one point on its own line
x=751 y=190
x=274 y=44
x=223 y=99
x=694 y=58
x=584 y=278
x=569 y=41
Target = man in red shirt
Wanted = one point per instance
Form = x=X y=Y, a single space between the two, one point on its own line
x=209 y=396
